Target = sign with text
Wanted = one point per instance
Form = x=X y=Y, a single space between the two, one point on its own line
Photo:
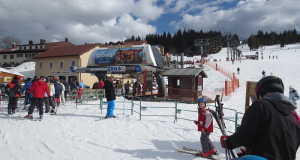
x=116 y=68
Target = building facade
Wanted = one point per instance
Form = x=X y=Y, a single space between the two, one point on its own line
x=57 y=62
x=24 y=53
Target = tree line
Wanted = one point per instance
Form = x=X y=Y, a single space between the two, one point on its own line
x=182 y=41
x=264 y=39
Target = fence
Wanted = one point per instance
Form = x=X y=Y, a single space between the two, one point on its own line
x=230 y=85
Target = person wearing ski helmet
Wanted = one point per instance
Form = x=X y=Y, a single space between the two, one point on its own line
x=205 y=126
x=293 y=94
x=268 y=128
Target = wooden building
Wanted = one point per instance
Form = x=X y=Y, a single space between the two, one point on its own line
x=7 y=76
x=185 y=84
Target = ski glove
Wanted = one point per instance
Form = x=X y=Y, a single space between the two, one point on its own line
x=242 y=153
x=295 y=98
x=223 y=141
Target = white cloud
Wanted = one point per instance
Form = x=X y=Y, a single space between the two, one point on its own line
x=247 y=17
x=80 y=20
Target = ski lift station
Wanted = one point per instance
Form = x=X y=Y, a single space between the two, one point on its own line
x=143 y=62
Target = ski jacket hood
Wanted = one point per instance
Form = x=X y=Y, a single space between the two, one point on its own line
x=39 y=88
x=282 y=103
x=15 y=81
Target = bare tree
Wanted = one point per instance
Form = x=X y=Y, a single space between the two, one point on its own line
x=6 y=42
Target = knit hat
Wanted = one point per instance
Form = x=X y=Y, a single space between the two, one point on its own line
x=16 y=77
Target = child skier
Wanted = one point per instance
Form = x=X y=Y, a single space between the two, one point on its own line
x=80 y=92
x=205 y=125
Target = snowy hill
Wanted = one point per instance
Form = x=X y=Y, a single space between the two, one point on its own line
x=27 y=69
x=75 y=133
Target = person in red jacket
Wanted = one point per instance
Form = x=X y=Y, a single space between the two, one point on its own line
x=38 y=88
x=205 y=126
x=13 y=90
x=100 y=84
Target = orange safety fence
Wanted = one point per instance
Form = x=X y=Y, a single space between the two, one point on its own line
x=230 y=85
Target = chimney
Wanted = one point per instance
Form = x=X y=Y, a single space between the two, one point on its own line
x=13 y=45
x=30 y=42
x=43 y=41
x=66 y=39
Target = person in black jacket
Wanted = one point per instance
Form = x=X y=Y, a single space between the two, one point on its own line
x=67 y=88
x=13 y=90
x=269 y=128
x=110 y=96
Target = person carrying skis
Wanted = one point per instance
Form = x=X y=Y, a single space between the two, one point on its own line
x=269 y=128
x=293 y=95
x=13 y=90
x=205 y=126
x=27 y=96
x=110 y=97
x=38 y=89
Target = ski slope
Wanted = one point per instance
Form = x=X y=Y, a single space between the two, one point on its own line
x=77 y=133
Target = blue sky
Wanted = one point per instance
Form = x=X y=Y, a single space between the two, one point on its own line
x=100 y=21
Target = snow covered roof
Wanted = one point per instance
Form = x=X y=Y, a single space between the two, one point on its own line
x=8 y=71
x=185 y=72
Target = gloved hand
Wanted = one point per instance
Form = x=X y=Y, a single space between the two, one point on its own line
x=243 y=153
x=223 y=141
x=196 y=122
x=295 y=98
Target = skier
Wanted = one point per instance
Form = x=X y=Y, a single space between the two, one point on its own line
x=79 y=92
x=27 y=96
x=268 y=128
x=293 y=95
x=62 y=95
x=66 y=85
x=13 y=90
x=101 y=84
x=205 y=126
x=110 y=97
x=263 y=73
x=95 y=85
x=38 y=89
x=48 y=101
x=127 y=87
x=238 y=70
x=58 y=87
x=120 y=86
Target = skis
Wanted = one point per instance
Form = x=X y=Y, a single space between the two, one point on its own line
x=189 y=149
x=194 y=152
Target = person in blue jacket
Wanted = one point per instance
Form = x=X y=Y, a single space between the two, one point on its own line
x=25 y=89
x=293 y=94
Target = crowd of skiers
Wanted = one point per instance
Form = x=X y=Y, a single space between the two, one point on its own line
x=49 y=91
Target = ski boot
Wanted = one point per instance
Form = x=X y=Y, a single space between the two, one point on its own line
x=29 y=116
x=214 y=152
x=13 y=111
x=204 y=154
x=9 y=112
x=41 y=117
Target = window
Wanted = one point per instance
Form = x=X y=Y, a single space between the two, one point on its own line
x=19 y=55
x=41 y=65
x=61 y=64
x=30 y=47
x=11 y=56
x=41 y=47
x=50 y=64
x=4 y=56
x=24 y=47
x=36 y=47
x=72 y=62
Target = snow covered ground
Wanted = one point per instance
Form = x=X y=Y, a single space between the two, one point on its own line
x=75 y=133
